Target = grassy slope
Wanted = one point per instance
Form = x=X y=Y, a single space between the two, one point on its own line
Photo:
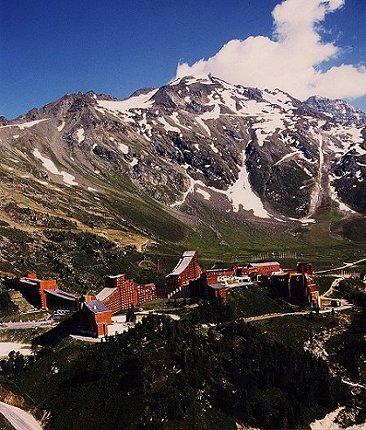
x=294 y=330
x=324 y=283
x=243 y=240
x=255 y=300
x=81 y=257
x=82 y=242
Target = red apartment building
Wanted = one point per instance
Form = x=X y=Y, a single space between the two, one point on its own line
x=145 y=293
x=262 y=269
x=33 y=289
x=95 y=318
x=217 y=291
x=295 y=287
x=121 y=293
x=213 y=274
x=187 y=269
x=305 y=268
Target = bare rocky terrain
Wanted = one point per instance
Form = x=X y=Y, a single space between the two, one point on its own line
x=165 y=164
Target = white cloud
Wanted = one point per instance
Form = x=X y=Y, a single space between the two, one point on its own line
x=291 y=59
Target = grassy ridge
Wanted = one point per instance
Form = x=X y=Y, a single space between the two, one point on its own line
x=123 y=230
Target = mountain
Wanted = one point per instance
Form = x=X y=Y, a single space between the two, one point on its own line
x=338 y=110
x=167 y=163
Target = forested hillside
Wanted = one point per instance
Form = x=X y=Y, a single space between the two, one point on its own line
x=170 y=375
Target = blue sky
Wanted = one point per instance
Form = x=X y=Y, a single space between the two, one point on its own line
x=49 y=48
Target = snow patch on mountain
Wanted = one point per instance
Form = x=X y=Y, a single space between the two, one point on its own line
x=134 y=162
x=24 y=125
x=214 y=149
x=61 y=126
x=123 y=148
x=80 y=135
x=334 y=195
x=213 y=114
x=288 y=156
x=51 y=167
x=142 y=101
x=174 y=117
x=167 y=126
x=200 y=122
x=203 y=193
x=242 y=194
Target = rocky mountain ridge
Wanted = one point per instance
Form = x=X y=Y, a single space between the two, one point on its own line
x=260 y=152
x=338 y=110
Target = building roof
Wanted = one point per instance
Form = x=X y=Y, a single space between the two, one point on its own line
x=115 y=276
x=35 y=279
x=189 y=253
x=96 y=306
x=106 y=292
x=218 y=286
x=62 y=294
x=29 y=281
x=183 y=263
x=280 y=273
x=150 y=285
x=220 y=269
x=263 y=264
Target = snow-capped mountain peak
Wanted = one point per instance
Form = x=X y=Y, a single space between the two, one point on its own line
x=338 y=110
x=254 y=152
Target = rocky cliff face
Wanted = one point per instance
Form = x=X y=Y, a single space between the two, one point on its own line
x=336 y=110
x=260 y=154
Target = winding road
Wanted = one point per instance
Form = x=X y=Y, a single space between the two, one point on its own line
x=345 y=266
x=27 y=325
x=19 y=419
x=279 y=315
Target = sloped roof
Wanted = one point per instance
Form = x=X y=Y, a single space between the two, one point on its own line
x=106 y=292
x=115 y=276
x=28 y=281
x=96 y=306
x=217 y=286
x=263 y=264
x=183 y=263
x=62 y=294
x=189 y=253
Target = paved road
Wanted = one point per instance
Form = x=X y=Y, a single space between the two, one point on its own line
x=279 y=315
x=345 y=266
x=19 y=419
x=27 y=324
x=331 y=288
